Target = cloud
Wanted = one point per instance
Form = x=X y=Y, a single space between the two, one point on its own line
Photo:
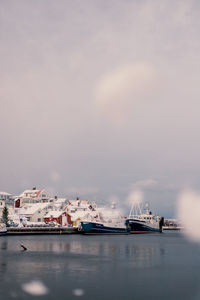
x=188 y=207
x=119 y=91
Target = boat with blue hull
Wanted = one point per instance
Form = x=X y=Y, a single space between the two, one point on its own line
x=104 y=221
x=100 y=228
x=3 y=229
x=139 y=222
x=142 y=226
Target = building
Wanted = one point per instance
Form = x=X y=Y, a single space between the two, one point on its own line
x=34 y=212
x=60 y=217
x=77 y=210
x=31 y=197
x=37 y=211
x=7 y=200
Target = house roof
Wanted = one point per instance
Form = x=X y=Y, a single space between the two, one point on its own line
x=72 y=204
x=75 y=202
x=5 y=194
x=32 y=193
x=54 y=214
x=77 y=215
x=61 y=200
x=30 y=210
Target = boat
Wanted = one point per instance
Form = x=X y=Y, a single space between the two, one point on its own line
x=172 y=224
x=102 y=228
x=3 y=230
x=104 y=221
x=143 y=222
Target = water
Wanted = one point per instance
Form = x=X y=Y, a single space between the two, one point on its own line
x=156 y=266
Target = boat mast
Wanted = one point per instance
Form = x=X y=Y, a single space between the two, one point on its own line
x=136 y=208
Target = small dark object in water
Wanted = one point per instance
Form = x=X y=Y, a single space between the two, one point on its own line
x=24 y=248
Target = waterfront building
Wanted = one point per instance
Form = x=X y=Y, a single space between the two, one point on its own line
x=37 y=206
x=7 y=200
x=67 y=212
x=57 y=216
x=77 y=210
x=34 y=212
x=31 y=197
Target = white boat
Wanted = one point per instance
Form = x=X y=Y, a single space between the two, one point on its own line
x=104 y=221
x=143 y=222
x=3 y=230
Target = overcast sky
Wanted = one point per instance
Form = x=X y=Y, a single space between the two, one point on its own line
x=100 y=97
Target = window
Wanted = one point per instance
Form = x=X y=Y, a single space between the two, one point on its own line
x=39 y=220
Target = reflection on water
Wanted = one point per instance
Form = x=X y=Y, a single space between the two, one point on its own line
x=99 y=266
x=44 y=254
x=56 y=253
x=4 y=244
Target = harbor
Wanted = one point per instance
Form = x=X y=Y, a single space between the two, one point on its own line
x=35 y=211
x=99 y=155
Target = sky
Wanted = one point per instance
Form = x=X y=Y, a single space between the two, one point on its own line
x=100 y=98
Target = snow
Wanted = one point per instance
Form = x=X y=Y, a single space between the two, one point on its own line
x=77 y=215
x=54 y=214
x=30 y=210
x=4 y=194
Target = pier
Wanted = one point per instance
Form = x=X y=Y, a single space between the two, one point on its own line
x=41 y=230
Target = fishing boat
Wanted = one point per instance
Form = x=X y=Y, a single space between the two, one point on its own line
x=104 y=221
x=103 y=228
x=3 y=230
x=143 y=222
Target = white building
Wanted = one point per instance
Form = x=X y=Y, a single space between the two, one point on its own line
x=7 y=200
x=34 y=212
x=78 y=209
x=31 y=197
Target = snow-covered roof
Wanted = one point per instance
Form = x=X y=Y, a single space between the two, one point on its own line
x=78 y=202
x=5 y=194
x=77 y=215
x=54 y=214
x=75 y=204
x=31 y=209
x=32 y=193
x=60 y=200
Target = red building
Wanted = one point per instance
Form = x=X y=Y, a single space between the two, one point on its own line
x=59 y=217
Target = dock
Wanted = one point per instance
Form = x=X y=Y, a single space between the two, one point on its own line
x=172 y=228
x=41 y=230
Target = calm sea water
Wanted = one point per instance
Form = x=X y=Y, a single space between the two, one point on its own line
x=156 y=266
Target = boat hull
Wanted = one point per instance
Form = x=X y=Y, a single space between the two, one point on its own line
x=98 y=228
x=3 y=232
x=136 y=226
